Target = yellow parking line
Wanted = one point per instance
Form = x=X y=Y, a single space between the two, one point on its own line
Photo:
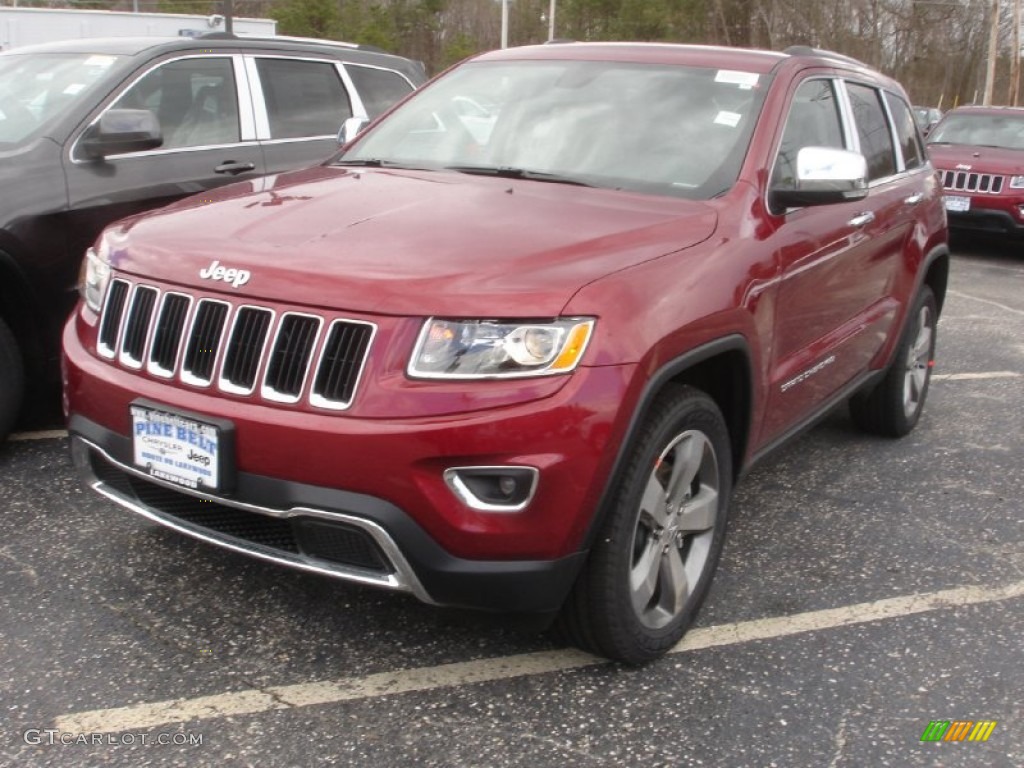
x=45 y=434
x=976 y=376
x=255 y=701
x=991 y=303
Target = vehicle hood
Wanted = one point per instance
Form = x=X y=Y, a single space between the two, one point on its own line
x=407 y=242
x=950 y=157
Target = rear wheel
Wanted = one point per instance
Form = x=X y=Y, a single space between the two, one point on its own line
x=894 y=406
x=652 y=564
x=12 y=380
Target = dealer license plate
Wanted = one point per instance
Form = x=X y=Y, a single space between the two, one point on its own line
x=957 y=203
x=175 y=448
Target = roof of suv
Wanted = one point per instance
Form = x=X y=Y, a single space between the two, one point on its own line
x=741 y=59
x=152 y=46
x=653 y=53
x=974 y=109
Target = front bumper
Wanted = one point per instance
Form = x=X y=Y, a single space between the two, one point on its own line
x=365 y=500
x=1001 y=214
x=371 y=542
x=988 y=220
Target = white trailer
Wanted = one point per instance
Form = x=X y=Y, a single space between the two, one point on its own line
x=26 y=26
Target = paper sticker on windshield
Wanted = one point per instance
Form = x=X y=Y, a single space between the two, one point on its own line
x=97 y=60
x=731 y=119
x=73 y=89
x=745 y=80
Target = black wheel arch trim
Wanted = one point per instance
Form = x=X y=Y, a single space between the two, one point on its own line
x=938 y=253
x=732 y=343
x=19 y=308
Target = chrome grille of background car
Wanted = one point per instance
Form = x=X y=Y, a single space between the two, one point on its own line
x=965 y=181
x=208 y=342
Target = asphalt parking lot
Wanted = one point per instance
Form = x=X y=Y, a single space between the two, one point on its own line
x=868 y=587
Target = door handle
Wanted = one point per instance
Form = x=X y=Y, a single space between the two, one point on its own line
x=233 y=167
x=862 y=219
x=914 y=199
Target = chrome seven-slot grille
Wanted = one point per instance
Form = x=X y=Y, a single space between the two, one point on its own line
x=209 y=341
x=966 y=181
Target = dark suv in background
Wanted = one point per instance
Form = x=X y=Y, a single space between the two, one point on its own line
x=93 y=130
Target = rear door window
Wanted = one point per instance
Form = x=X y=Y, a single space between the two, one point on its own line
x=304 y=98
x=873 y=130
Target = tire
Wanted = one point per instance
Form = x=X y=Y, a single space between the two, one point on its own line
x=12 y=381
x=894 y=406
x=652 y=563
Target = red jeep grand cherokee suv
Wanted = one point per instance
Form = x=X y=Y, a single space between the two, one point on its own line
x=979 y=152
x=515 y=356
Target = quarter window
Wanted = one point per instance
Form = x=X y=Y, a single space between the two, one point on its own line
x=873 y=129
x=378 y=88
x=194 y=99
x=303 y=98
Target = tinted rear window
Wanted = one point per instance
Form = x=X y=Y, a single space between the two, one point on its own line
x=378 y=88
x=303 y=98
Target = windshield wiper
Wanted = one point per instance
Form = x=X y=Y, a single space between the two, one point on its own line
x=509 y=172
x=370 y=162
x=376 y=162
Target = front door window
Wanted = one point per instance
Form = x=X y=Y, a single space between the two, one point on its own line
x=194 y=99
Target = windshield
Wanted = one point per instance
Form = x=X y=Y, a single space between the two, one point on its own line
x=36 y=88
x=1006 y=131
x=650 y=128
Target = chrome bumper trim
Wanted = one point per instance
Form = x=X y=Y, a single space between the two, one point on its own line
x=402 y=579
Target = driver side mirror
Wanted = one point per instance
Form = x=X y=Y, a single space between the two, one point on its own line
x=351 y=128
x=119 y=131
x=824 y=175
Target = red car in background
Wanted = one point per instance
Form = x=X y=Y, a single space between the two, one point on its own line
x=979 y=153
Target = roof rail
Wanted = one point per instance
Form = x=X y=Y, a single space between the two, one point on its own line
x=807 y=50
x=291 y=39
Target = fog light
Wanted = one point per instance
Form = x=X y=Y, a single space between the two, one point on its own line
x=1020 y=211
x=507 y=485
x=493 y=489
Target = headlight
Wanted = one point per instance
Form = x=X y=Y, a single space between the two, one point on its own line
x=485 y=349
x=1017 y=182
x=95 y=275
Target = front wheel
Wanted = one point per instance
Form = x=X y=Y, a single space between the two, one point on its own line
x=652 y=563
x=894 y=406
x=12 y=380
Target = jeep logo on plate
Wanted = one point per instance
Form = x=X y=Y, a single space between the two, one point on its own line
x=237 y=277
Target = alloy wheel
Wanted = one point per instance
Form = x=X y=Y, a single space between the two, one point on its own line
x=672 y=541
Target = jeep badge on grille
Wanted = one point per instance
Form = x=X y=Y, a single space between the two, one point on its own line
x=237 y=277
